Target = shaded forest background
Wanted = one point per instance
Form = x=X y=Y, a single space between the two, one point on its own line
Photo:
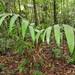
x=41 y=11
x=37 y=37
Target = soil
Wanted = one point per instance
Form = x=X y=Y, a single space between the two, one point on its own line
x=47 y=63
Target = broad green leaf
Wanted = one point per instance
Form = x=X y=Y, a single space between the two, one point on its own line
x=5 y=14
x=38 y=34
x=12 y=21
x=24 y=27
x=70 y=37
x=57 y=34
x=2 y=15
x=32 y=33
x=43 y=35
x=3 y=18
x=48 y=32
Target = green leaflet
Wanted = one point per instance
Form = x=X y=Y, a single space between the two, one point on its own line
x=57 y=34
x=38 y=34
x=43 y=35
x=32 y=33
x=37 y=30
x=24 y=27
x=12 y=21
x=3 y=17
x=21 y=65
x=70 y=37
x=48 y=34
x=27 y=43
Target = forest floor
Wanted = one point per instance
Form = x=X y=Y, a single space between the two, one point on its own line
x=49 y=65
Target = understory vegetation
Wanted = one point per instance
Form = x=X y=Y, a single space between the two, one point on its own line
x=37 y=37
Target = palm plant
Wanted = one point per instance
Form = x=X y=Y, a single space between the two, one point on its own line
x=44 y=33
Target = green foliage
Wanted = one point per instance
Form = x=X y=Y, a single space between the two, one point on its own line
x=37 y=73
x=24 y=27
x=39 y=32
x=3 y=17
x=1 y=65
x=17 y=34
x=32 y=31
x=57 y=34
x=36 y=65
x=48 y=34
x=69 y=31
x=43 y=36
x=20 y=67
x=69 y=59
x=57 y=53
x=36 y=34
x=70 y=37
x=12 y=21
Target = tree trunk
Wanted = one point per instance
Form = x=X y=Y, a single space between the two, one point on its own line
x=19 y=4
x=55 y=14
x=35 y=13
